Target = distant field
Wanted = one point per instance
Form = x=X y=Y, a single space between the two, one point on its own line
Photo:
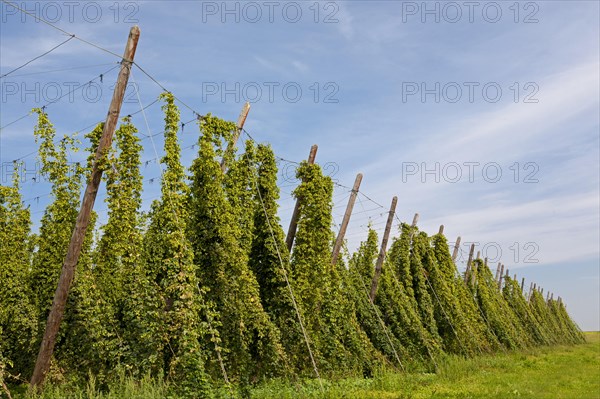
x=562 y=372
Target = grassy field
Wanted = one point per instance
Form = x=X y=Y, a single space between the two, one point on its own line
x=563 y=372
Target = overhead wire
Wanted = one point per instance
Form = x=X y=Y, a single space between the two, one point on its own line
x=62 y=69
x=60 y=29
x=38 y=57
x=47 y=104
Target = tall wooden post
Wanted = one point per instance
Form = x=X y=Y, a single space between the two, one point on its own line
x=474 y=271
x=471 y=251
x=456 y=248
x=485 y=261
x=340 y=237
x=441 y=230
x=68 y=269
x=497 y=272
x=478 y=255
x=381 y=257
x=500 y=277
x=236 y=135
x=289 y=239
x=530 y=291
x=415 y=220
x=522 y=285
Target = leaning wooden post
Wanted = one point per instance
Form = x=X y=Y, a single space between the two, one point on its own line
x=456 y=248
x=497 y=272
x=236 y=135
x=500 y=277
x=471 y=251
x=530 y=291
x=415 y=220
x=83 y=218
x=340 y=237
x=441 y=230
x=522 y=285
x=381 y=257
x=474 y=271
x=478 y=255
x=289 y=239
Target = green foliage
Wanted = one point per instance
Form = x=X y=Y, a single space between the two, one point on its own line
x=361 y=267
x=202 y=288
x=56 y=227
x=453 y=324
x=512 y=294
x=163 y=313
x=497 y=313
x=59 y=217
x=396 y=298
x=17 y=314
x=330 y=317
x=570 y=332
x=250 y=340
x=269 y=261
x=419 y=255
x=479 y=335
x=98 y=296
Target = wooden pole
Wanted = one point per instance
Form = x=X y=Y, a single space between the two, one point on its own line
x=456 y=248
x=381 y=257
x=471 y=251
x=289 y=239
x=497 y=272
x=415 y=220
x=68 y=269
x=500 y=277
x=485 y=261
x=522 y=285
x=340 y=237
x=441 y=230
x=236 y=135
x=478 y=255
x=474 y=271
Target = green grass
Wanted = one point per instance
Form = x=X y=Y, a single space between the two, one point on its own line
x=562 y=372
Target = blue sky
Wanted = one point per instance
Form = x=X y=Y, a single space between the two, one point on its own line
x=480 y=116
